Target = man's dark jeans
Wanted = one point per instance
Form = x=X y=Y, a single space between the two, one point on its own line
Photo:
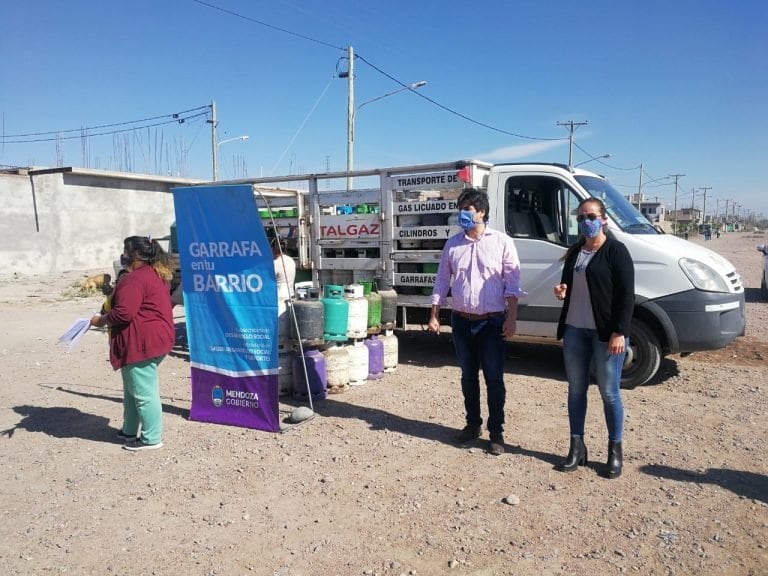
x=480 y=344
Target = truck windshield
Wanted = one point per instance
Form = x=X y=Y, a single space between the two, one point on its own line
x=621 y=211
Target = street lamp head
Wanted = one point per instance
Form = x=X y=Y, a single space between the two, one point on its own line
x=604 y=156
x=231 y=140
x=418 y=84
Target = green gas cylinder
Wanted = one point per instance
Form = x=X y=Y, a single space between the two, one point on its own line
x=374 y=307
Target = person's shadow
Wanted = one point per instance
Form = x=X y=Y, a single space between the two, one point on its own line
x=747 y=484
x=378 y=420
x=67 y=422
x=167 y=408
x=62 y=422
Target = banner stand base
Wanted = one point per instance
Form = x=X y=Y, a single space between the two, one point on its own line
x=298 y=417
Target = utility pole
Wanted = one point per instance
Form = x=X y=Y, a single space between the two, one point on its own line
x=214 y=147
x=704 y=210
x=725 y=216
x=676 y=177
x=572 y=126
x=640 y=189
x=350 y=114
x=717 y=210
x=693 y=200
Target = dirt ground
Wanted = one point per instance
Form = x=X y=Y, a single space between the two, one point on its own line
x=373 y=484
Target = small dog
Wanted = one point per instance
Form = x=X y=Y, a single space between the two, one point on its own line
x=97 y=283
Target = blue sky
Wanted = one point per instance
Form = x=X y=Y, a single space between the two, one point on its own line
x=679 y=86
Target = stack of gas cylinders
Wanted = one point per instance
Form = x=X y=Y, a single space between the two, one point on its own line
x=347 y=338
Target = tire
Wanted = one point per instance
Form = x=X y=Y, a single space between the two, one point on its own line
x=643 y=356
x=764 y=288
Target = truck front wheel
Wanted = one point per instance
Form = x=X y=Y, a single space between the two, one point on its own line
x=643 y=356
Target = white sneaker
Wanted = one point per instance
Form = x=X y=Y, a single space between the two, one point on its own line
x=139 y=446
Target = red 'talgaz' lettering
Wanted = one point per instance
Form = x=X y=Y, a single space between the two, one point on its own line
x=349 y=230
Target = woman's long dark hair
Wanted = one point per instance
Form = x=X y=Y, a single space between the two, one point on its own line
x=580 y=238
x=148 y=250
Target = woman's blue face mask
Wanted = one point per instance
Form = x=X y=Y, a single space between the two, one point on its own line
x=591 y=228
x=467 y=219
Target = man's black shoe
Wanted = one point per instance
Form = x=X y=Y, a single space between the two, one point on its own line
x=467 y=433
x=496 y=447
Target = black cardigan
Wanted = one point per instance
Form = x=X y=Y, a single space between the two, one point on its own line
x=611 y=281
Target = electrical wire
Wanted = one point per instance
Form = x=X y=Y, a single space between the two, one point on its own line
x=301 y=127
x=599 y=161
x=132 y=128
x=173 y=116
x=380 y=71
x=272 y=26
x=454 y=112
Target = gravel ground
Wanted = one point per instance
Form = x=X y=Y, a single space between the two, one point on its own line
x=372 y=484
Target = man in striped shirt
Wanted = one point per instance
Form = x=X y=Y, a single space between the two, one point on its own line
x=481 y=268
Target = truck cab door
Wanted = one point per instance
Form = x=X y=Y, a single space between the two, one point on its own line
x=535 y=210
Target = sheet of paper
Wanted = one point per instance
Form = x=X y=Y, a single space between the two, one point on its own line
x=72 y=336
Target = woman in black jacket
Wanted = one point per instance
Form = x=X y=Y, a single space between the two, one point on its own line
x=598 y=289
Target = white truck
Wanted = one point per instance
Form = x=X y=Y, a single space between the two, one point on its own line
x=688 y=298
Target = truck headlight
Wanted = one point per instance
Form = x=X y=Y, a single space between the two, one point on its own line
x=702 y=276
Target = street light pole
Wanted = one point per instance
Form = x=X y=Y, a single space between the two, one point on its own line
x=213 y=123
x=350 y=114
x=572 y=125
x=353 y=115
x=704 y=209
x=216 y=154
x=676 y=177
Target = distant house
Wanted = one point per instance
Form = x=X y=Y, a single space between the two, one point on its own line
x=685 y=217
x=654 y=211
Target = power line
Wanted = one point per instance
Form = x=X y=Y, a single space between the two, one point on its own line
x=451 y=110
x=132 y=128
x=606 y=164
x=272 y=26
x=377 y=69
x=174 y=115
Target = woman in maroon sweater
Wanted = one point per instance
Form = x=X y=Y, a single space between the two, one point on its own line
x=141 y=322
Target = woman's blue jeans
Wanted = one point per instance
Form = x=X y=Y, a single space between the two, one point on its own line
x=480 y=344
x=581 y=350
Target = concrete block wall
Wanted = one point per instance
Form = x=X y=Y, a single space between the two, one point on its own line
x=72 y=220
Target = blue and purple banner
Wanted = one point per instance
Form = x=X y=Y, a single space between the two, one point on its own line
x=230 y=299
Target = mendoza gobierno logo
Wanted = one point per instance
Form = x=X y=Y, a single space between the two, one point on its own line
x=217 y=396
x=239 y=398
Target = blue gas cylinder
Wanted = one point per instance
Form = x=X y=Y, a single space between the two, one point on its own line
x=318 y=382
x=375 y=357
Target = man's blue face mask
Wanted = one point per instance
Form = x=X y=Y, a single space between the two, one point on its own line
x=467 y=219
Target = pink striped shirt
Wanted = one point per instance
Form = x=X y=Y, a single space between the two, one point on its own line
x=481 y=273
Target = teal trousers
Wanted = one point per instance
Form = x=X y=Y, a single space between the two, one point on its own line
x=142 y=407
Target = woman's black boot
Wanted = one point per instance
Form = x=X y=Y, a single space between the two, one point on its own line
x=615 y=460
x=577 y=455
